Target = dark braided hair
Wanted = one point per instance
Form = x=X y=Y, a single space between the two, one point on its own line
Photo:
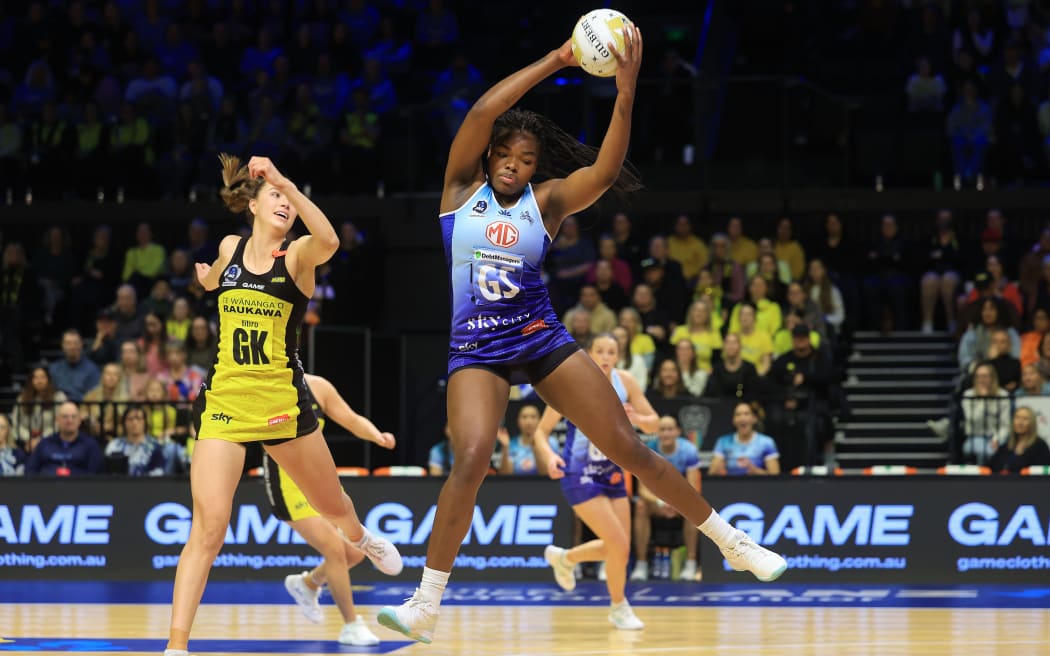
x=560 y=152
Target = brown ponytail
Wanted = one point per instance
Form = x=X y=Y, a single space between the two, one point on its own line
x=239 y=186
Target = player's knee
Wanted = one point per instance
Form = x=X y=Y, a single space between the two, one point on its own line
x=331 y=507
x=618 y=549
x=209 y=535
x=472 y=461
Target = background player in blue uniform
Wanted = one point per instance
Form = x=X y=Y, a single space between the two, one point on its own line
x=594 y=486
x=503 y=325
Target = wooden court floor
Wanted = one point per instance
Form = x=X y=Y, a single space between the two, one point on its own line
x=554 y=630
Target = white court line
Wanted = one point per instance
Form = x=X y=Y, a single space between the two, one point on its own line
x=764 y=648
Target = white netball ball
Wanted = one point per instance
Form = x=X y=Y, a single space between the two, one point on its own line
x=590 y=39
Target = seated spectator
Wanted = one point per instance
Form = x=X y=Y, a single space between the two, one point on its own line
x=1030 y=340
x=969 y=130
x=34 y=413
x=621 y=270
x=742 y=249
x=925 y=89
x=613 y=295
x=693 y=377
x=745 y=452
x=517 y=456
x=161 y=415
x=159 y=300
x=707 y=291
x=732 y=376
x=699 y=329
x=133 y=370
x=73 y=374
x=177 y=325
x=104 y=403
x=775 y=270
x=67 y=452
x=183 y=379
x=1032 y=382
x=888 y=283
x=787 y=249
x=602 y=319
x=992 y=281
x=683 y=455
x=826 y=295
x=1007 y=366
x=201 y=344
x=104 y=347
x=441 y=456
x=756 y=346
x=667 y=382
x=143 y=262
x=726 y=273
x=570 y=258
x=153 y=341
x=664 y=276
x=973 y=347
x=986 y=416
x=578 y=322
x=798 y=301
x=135 y=453
x=688 y=250
x=629 y=247
x=944 y=260
x=12 y=456
x=641 y=344
x=1023 y=448
x=128 y=314
x=635 y=365
x=782 y=341
x=768 y=317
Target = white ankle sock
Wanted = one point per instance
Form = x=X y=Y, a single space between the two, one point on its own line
x=716 y=528
x=432 y=585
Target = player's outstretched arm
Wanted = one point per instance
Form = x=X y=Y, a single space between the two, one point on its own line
x=336 y=407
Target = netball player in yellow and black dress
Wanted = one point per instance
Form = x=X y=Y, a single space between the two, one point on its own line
x=255 y=391
x=288 y=504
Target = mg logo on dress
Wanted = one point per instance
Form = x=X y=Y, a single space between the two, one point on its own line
x=502 y=234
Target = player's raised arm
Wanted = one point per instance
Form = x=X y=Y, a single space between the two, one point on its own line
x=472 y=140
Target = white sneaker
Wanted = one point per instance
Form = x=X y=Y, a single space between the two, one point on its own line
x=927 y=327
x=744 y=554
x=176 y=652
x=382 y=552
x=563 y=569
x=356 y=633
x=640 y=571
x=305 y=597
x=688 y=572
x=622 y=617
x=601 y=571
x=416 y=618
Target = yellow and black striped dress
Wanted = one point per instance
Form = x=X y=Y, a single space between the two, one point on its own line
x=287 y=501
x=255 y=391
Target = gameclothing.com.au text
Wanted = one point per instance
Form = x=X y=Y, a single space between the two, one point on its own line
x=483 y=562
x=251 y=561
x=835 y=563
x=1009 y=562
x=42 y=561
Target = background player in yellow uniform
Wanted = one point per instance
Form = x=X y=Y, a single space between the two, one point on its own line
x=255 y=391
x=288 y=503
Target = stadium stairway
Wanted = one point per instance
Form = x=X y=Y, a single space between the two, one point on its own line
x=894 y=384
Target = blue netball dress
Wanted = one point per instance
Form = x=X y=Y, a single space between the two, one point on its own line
x=501 y=310
x=588 y=472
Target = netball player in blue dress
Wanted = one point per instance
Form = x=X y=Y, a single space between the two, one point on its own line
x=595 y=487
x=497 y=228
